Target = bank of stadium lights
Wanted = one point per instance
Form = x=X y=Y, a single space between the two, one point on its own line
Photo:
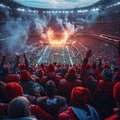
x=82 y=11
x=34 y=11
x=95 y=9
x=20 y=9
x=57 y=11
x=113 y=5
x=85 y=10
x=4 y=6
x=24 y=10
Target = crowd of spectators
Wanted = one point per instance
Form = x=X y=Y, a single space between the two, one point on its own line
x=59 y=91
x=108 y=28
x=105 y=50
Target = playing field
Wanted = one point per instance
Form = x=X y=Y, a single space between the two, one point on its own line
x=65 y=54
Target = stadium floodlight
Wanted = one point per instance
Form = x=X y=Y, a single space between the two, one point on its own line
x=1 y=5
x=79 y=11
x=4 y=6
x=86 y=10
x=66 y=11
x=20 y=9
x=59 y=12
x=35 y=11
x=53 y=11
x=118 y=3
x=95 y=9
x=113 y=5
x=29 y=10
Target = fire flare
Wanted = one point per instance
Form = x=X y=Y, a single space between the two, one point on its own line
x=55 y=38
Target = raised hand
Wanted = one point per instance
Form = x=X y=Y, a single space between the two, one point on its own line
x=89 y=53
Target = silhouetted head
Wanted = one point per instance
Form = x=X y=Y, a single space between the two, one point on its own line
x=19 y=107
x=50 y=88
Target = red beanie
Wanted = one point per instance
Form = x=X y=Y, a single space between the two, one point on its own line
x=22 y=66
x=79 y=95
x=12 y=78
x=25 y=75
x=116 y=92
x=12 y=90
x=40 y=73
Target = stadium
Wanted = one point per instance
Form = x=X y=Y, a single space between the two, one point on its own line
x=52 y=36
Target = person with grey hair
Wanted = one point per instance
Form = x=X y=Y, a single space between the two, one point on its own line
x=19 y=109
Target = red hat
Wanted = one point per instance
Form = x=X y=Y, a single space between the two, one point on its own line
x=116 y=92
x=12 y=78
x=12 y=90
x=79 y=95
x=106 y=66
x=22 y=66
x=25 y=75
x=40 y=73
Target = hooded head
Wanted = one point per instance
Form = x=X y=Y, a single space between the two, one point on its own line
x=13 y=78
x=19 y=107
x=107 y=74
x=79 y=96
x=12 y=90
x=25 y=76
x=40 y=73
x=50 y=88
x=71 y=75
x=51 y=68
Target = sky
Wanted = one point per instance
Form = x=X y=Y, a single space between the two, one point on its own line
x=56 y=3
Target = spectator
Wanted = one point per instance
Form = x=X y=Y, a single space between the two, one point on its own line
x=52 y=103
x=18 y=108
x=69 y=82
x=6 y=70
x=79 y=108
x=13 y=90
x=103 y=94
x=116 y=94
x=29 y=85
x=52 y=75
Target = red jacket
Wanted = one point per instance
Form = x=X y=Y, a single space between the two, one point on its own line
x=67 y=115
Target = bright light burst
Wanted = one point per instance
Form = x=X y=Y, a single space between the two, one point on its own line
x=57 y=39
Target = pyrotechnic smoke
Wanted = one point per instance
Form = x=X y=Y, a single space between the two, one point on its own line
x=17 y=28
x=92 y=15
x=15 y=33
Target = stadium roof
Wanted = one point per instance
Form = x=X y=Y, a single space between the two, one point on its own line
x=57 y=4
